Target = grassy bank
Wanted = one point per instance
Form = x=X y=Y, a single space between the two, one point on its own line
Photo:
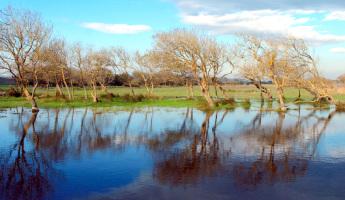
x=165 y=97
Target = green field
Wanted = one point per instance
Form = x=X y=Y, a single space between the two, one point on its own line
x=164 y=96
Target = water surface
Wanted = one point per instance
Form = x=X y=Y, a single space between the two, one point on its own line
x=171 y=153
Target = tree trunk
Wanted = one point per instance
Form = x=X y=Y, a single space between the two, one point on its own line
x=72 y=88
x=58 y=90
x=206 y=93
x=190 y=92
x=263 y=89
x=152 y=87
x=131 y=87
x=146 y=86
x=32 y=99
x=94 y=93
x=215 y=88
x=223 y=91
x=191 y=89
x=299 y=93
x=65 y=83
x=281 y=99
x=47 y=89
x=85 y=92
x=104 y=88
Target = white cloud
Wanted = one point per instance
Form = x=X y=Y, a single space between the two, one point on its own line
x=117 y=28
x=338 y=50
x=336 y=15
x=222 y=6
x=262 y=22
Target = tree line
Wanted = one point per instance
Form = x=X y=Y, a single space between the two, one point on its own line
x=34 y=57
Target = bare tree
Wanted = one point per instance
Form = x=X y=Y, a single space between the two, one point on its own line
x=78 y=61
x=251 y=65
x=193 y=50
x=221 y=65
x=57 y=58
x=22 y=35
x=307 y=75
x=272 y=58
x=122 y=61
x=144 y=66
x=97 y=71
x=341 y=79
x=176 y=68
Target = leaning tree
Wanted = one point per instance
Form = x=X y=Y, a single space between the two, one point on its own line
x=22 y=35
x=201 y=54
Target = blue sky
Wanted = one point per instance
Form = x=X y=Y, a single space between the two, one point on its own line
x=132 y=23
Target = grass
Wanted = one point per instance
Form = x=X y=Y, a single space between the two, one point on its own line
x=165 y=97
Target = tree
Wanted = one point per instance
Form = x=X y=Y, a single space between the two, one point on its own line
x=122 y=61
x=177 y=69
x=307 y=75
x=251 y=65
x=56 y=57
x=97 y=63
x=341 y=79
x=270 y=58
x=78 y=61
x=22 y=35
x=285 y=61
x=144 y=67
x=193 y=50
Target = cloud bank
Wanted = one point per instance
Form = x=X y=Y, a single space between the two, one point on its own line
x=275 y=18
x=235 y=5
x=116 y=28
x=338 y=50
x=336 y=16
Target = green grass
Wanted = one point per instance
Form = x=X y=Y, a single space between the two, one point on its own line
x=166 y=97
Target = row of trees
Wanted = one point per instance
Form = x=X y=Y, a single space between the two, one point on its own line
x=287 y=62
x=33 y=57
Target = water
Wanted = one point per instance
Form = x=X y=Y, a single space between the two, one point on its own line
x=170 y=153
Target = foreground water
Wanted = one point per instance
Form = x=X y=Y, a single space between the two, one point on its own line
x=169 y=153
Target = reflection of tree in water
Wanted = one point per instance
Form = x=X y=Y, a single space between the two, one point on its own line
x=199 y=158
x=270 y=167
x=25 y=171
x=285 y=152
x=182 y=155
x=27 y=168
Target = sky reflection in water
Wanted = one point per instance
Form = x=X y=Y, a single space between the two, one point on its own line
x=170 y=153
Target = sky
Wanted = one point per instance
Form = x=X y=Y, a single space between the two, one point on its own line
x=132 y=23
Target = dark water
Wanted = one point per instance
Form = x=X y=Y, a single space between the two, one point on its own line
x=169 y=153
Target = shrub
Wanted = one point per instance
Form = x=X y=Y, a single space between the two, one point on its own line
x=133 y=98
x=109 y=96
x=59 y=96
x=228 y=101
x=13 y=92
x=246 y=104
x=340 y=107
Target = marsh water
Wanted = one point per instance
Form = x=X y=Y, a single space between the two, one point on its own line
x=172 y=153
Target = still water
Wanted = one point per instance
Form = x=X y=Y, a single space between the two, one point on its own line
x=172 y=153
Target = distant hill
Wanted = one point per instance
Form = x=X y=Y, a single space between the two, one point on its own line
x=6 y=81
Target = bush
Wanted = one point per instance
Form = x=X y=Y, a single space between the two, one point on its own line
x=13 y=92
x=109 y=96
x=59 y=96
x=133 y=98
x=228 y=101
x=246 y=104
x=2 y=92
x=340 y=107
